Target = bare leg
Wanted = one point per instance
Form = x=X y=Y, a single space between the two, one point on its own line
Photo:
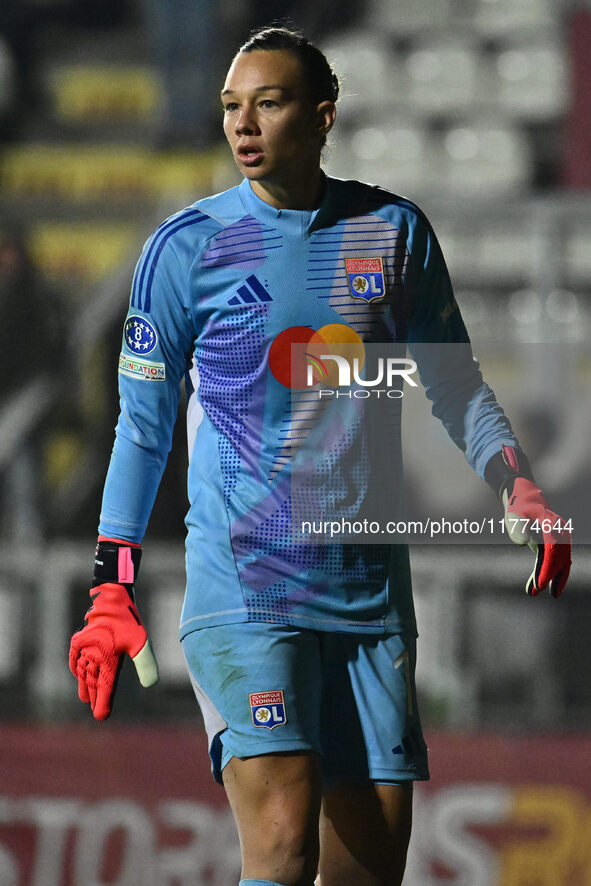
x=275 y=799
x=364 y=835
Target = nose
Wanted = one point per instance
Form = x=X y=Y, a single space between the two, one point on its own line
x=246 y=121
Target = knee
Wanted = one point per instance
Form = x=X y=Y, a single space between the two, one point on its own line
x=276 y=804
x=287 y=844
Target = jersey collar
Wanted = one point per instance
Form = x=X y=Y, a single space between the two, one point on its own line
x=293 y=221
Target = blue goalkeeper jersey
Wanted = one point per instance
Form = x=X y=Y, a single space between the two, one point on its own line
x=217 y=287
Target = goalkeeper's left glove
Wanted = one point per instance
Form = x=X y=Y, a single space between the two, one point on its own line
x=509 y=474
x=113 y=627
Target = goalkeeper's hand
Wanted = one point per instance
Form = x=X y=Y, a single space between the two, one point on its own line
x=525 y=505
x=112 y=627
x=526 y=510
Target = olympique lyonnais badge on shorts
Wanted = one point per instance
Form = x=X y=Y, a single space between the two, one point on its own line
x=268 y=709
x=366 y=278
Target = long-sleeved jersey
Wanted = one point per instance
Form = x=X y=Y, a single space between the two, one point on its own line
x=219 y=289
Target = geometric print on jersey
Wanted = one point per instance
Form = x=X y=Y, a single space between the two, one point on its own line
x=229 y=361
x=230 y=465
x=263 y=548
x=265 y=593
x=337 y=465
x=343 y=473
x=266 y=556
x=302 y=414
x=272 y=601
x=244 y=244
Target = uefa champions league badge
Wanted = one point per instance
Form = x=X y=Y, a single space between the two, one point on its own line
x=366 y=278
x=140 y=335
x=267 y=709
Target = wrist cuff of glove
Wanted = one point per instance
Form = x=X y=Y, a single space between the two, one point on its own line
x=116 y=561
x=504 y=467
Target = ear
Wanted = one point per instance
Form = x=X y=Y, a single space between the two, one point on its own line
x=326 y=113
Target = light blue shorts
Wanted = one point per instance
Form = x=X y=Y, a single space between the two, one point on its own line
x=265 y=688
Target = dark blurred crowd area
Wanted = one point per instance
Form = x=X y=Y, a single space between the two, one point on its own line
x=60 y=331
x=22 y=25
x=34 y=406
x=57 y=414
x=58 y=406
x=191 y=42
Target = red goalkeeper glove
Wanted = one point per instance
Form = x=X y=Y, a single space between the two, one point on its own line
x=112 y=627
x=527 y=512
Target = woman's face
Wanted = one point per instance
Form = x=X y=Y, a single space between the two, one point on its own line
x=273 y=127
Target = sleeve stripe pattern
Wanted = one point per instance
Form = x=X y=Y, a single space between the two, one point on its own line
x=141 y=296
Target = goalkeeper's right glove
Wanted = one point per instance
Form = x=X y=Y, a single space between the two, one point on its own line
x=509 y=473
x=113 y=627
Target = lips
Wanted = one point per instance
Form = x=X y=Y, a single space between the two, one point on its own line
x=250 y=155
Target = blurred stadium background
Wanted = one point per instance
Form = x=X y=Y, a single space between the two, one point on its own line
x=480 y=111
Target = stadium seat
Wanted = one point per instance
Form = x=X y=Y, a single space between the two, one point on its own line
x=578 y=254
x=443 y=76
x=405 y=18
x=564 y=309
x=7 y=77
x=524 y=311
x=505 y=253
x=500 y=18
x=397 y=156
x=490 y=250
x=559 y=316
x=61 y=251
x=96 y=94
x=485 y=159
x=369 y=73
x=77 y=173
x=112 y=174
x=532 y=80
x=503 y=688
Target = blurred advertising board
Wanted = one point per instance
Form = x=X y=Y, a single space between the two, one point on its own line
x=136 y=806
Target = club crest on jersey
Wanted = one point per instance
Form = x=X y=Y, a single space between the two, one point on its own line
x=366 y=278
x=140 y=335
x=267 y=709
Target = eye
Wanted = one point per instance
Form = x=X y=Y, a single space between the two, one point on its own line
x=268 y=103
x=229 y=107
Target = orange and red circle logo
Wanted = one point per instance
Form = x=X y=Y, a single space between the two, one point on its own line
x=297 y=357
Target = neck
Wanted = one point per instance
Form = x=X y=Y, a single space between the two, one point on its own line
x=302 y=194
